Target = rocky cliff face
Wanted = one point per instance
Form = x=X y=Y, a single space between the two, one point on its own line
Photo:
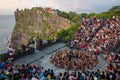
x=36 y=22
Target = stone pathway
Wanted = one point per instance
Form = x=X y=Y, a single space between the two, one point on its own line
x=41 y=58
x=40 y=54
x=44 y=62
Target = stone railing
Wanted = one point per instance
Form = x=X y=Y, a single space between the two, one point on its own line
x=27 y=51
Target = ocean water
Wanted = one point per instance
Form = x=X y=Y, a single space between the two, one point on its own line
x=7 y=23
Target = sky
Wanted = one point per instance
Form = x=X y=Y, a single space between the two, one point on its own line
x=7 y=7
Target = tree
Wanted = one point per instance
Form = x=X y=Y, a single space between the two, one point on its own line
x=114 y=8
x=116 y=12
x=71 y=15
x=76 y=19
x=62 y=14
x=84 y=15
x=91 y=15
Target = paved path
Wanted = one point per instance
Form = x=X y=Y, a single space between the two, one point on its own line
x=40 y=54
x=44 y=62
x=41 y=58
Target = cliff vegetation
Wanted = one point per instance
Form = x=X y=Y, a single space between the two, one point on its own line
x=39 y=23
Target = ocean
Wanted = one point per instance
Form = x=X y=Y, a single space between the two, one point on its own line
x=7 y=23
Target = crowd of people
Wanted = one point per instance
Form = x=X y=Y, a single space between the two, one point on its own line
x=108 y=36
x=10 y=70
x=13 y=71
x=74 y=59
x=85 y=32
x=92 y=37
x=97 y=35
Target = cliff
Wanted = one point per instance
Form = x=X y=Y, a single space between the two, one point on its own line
x=36 y=22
